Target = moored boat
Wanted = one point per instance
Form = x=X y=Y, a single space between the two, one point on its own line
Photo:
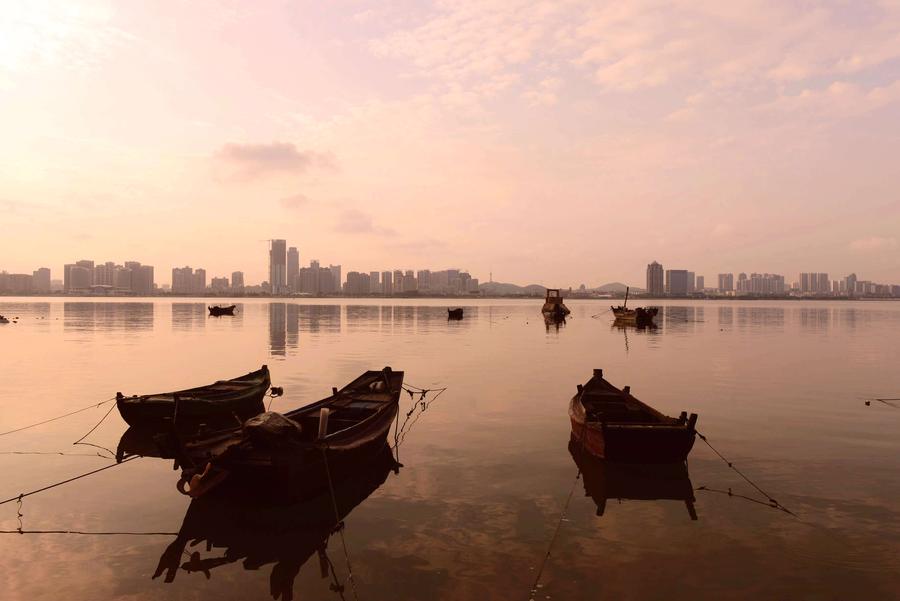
x=553 y=304
x=455 y=313
x=298 y=446
x=641 y=316
x=3 y=319
x=217 y=311
x=241 y=397
x=612 y=424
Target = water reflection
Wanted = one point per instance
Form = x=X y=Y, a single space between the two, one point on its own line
x=277 y=329
x=817 y=319
x=320 y=318
x=608 y=480
x=187 y=316
x=91 y=316
x=553 y=323
x=760 y=318
x=259 y=531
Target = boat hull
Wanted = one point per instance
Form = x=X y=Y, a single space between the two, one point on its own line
x=219 y=311
x=240 y=398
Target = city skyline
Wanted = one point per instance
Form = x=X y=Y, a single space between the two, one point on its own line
x=441 y=134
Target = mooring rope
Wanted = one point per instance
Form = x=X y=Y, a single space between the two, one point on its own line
x=730 y=464
x=21 y=496
x=422 y=405
x=886 y=402
x=337 y=519
x=745 y=497
x=54 y=453
x=562 y=517
x=80 y=532
x=53 y=419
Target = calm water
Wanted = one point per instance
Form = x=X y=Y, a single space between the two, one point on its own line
x=487 y=471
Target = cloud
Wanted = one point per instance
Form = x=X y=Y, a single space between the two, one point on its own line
x=873 y=244
x=294 y=202
x=354 y=221
x=248 y=161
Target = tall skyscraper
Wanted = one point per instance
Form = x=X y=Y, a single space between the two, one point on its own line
x=277 y=266
x=387 y=283
x=374 y=282
x=655 y=279
x=237 y=281
x=850 y=285
x=677 y=282
x=701 y=283
x=293 y=268
x=41 y=280
x=726 y=282
x=335 y=277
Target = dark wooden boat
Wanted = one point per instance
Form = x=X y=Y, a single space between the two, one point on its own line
x=553 y=304
x=612 y=424
x=455 y=313
x=217 y=311
x=641 y=317
x=241 y=397
x=643 y=482
x=271 y=448
x=3 y=319
x=240 y=527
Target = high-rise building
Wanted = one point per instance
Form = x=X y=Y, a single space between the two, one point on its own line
x=335 y=277
x=77 y=277
x=655 y=279
x=293 y=268
x=374 y=282
x=398 y=281
x=423 y=278
x=850 y=285
x=278 y=266
x=199 y=281
x=677 y=282
x=40 y=280
x=387 y=283
x=219 y=284
x=701 y=283
x=142 y=279
x=326 y=280
x=692 y=282
x=726 y=282
x=237 y=281
x=823 y=284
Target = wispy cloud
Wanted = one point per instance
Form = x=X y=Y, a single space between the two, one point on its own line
x=354 y=221
x=873 y=244
x=294 y=202
x=248 y=161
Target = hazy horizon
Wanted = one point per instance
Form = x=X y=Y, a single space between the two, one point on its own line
x=558 y=143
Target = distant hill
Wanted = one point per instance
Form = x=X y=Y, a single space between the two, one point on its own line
x=618 y=288
x=501 y=289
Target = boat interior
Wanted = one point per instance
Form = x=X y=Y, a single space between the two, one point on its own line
x=603 y=402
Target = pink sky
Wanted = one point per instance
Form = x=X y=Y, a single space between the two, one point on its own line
x=555 y=143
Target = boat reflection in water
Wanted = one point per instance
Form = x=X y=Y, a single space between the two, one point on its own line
x=643 y=482
x=259 y=530
x=554 y=322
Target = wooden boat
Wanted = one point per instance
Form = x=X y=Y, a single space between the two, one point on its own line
x=553 y=305
x=272 y=448
x=217 y=311
x=240 y=527
x=241 y=397
x=455 y=313
x=643 y=482
x=641 y=317
x=3 y=319
x=612 y=424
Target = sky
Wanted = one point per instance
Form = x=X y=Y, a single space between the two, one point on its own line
x=560 y=143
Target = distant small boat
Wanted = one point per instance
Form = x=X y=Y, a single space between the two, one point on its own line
x=216 y=310
x=553 y=305
x=3 y=319
x=291 y=448
x=241 y=397
x=641 y=317
x=612 y=424
x=455 y=313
